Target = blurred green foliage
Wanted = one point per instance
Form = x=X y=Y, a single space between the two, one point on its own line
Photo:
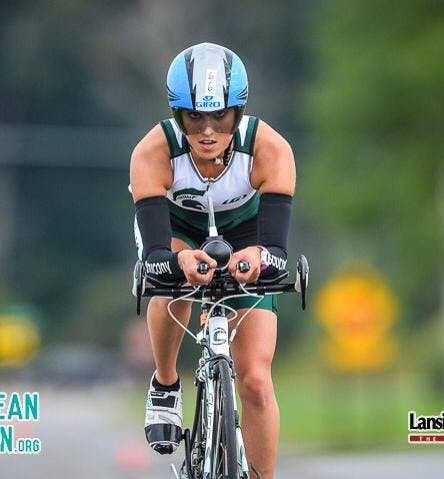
x=376 y=107
x=356 y=87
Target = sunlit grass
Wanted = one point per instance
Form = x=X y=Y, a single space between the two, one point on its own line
x=322 y=411
x=357 y=412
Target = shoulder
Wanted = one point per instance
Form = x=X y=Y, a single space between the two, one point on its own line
x=150 y=168
x=154 y=143
x=274 y=169
x=269 y=141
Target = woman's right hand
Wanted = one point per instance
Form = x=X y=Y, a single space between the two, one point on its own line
x=189 y=260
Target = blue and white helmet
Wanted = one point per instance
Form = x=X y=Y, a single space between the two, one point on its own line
x=207 y=77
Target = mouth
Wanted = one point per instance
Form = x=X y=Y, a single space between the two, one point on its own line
x=207 y=144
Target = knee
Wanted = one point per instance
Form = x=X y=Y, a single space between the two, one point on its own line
x=256 y=388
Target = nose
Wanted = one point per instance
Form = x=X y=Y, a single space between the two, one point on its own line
x=207 y=127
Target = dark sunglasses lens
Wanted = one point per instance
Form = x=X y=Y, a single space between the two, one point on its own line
x=221 y=121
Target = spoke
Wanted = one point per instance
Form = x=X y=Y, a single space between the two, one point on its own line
x=224 y=459
x=198 y=455
x=220 y=453
x=216 y=428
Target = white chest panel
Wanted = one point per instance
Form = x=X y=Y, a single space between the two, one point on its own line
x=229 y=190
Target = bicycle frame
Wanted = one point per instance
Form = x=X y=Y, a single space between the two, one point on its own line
x=214 y=340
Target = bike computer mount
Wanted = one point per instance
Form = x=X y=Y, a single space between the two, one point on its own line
x=216 y=247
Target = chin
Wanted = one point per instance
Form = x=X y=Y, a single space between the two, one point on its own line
x=209 y=155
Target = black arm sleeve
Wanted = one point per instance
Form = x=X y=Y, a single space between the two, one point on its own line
x=153 y=238
x=273 y=223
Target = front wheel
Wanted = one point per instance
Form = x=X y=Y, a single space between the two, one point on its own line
x=224 y=449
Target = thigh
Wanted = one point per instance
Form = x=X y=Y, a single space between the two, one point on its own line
x=255 y=342
x=243 y=235
x=268 y=302
x=193 y=237
x=178 y=244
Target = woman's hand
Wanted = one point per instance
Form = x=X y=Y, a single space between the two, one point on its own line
x=189 y=260
x=252 y=254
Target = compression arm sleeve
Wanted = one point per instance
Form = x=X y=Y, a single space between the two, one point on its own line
x=152 y=229
x=273 y=223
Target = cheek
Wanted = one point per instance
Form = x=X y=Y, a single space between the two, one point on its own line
x=192 y=141
x=223 y=139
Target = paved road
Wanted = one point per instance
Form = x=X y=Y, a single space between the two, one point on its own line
x=83 y=436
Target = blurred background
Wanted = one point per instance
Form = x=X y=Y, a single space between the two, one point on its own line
x=357 y=89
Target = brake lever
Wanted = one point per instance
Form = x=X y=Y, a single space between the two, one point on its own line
x=138 y=286
x=301 y=284
x=303 y=290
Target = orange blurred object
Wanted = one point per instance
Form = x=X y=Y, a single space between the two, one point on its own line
x=358 y=309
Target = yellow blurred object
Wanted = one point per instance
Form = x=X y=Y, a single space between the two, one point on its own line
x=358 y=309
x=19 y=339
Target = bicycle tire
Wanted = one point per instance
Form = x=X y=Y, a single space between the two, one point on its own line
x=224 y=460
x=195 y=471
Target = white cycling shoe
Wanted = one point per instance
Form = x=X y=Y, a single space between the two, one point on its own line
x=163 y=420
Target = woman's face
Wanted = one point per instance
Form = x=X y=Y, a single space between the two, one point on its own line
x=209 y=134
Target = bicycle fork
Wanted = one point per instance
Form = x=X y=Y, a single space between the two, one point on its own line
x=218 y=339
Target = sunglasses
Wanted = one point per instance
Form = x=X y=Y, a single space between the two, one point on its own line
x=194 y=122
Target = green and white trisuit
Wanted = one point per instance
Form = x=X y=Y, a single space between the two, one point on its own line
x=235 y=200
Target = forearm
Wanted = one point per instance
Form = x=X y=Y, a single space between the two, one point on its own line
x=152 y=230
x=273 y=226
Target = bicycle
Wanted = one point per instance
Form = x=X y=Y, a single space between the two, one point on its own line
x=214 y=448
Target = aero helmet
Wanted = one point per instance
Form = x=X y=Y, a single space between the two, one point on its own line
x=207 y=78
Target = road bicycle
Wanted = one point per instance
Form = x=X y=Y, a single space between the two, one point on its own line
x=214 y=448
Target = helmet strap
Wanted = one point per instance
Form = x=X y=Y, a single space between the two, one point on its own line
x=226 y=156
